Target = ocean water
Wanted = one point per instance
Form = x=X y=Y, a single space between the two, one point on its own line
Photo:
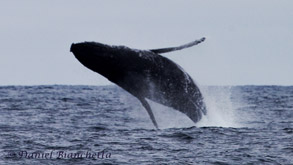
x=105 y=125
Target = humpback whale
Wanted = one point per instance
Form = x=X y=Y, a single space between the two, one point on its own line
x=146 y=75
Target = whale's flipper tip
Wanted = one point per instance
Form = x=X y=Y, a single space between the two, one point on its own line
x=149 y=110
x=166 y=50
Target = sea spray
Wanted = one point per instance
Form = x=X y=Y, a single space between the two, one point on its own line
x=220 y=109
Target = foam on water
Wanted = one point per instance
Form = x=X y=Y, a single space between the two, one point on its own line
x=221 y=112
x=169 y=118
x=166 y=117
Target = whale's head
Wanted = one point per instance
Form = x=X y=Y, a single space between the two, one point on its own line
x=106 y=60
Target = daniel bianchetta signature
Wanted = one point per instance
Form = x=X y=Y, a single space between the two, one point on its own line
x=58 y=155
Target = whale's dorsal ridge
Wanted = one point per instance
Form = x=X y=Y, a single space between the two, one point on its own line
x=166 y=50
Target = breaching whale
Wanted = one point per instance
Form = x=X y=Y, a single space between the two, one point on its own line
x=146 y=75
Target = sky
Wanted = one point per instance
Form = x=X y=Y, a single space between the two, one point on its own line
x=248 y=42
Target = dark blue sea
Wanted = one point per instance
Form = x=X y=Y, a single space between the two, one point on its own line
x=62 y=124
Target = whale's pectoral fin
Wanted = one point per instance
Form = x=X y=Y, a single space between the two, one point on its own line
x=165 y=50
x=149 y=110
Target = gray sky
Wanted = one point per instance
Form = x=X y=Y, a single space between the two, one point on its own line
x=248 y=42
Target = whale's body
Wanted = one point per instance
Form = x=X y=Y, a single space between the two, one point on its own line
x=146 y=75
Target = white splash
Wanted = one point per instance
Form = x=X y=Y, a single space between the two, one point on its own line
x=221 y=112
x=168 y=117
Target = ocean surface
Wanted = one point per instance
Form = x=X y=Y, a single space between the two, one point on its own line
x=62 y=124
